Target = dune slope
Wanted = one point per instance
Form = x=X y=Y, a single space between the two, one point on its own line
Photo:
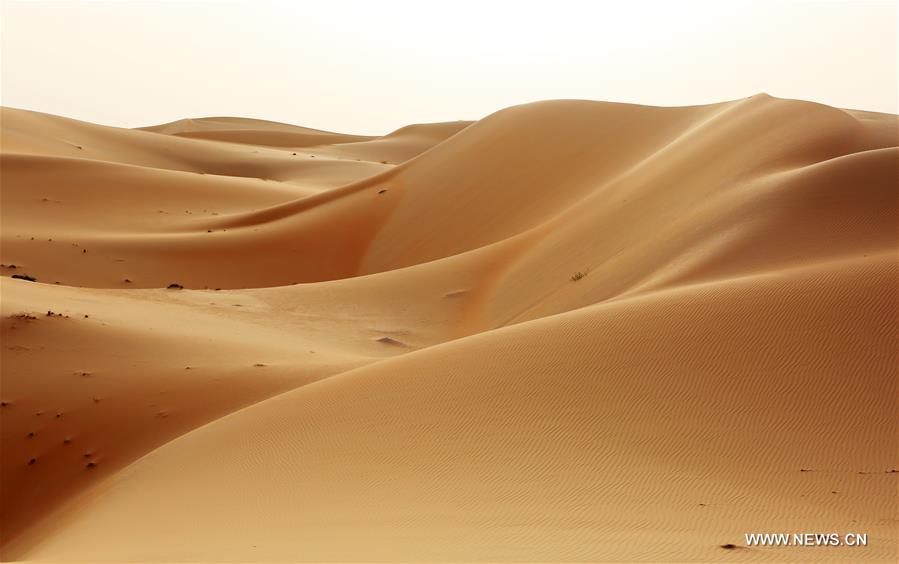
x=569 y=331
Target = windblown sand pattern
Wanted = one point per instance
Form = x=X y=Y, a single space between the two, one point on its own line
x=569 y=331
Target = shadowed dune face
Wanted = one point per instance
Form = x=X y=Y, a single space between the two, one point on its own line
x=570 y=331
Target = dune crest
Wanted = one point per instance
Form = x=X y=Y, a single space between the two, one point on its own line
x=571 y=330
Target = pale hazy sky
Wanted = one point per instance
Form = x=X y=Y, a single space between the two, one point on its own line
x=373 y=66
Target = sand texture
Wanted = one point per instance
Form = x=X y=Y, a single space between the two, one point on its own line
x=571 y=330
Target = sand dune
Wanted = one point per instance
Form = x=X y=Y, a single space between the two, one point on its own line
x=252 y=132
x=571 y=330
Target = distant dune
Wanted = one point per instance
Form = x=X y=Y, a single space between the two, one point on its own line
x=571 y=330
x=252 y=132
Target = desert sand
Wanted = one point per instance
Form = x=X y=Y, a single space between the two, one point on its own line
x=571 y=330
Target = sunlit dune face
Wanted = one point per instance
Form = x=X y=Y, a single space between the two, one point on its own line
x=236 y=340
x=562 y=330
